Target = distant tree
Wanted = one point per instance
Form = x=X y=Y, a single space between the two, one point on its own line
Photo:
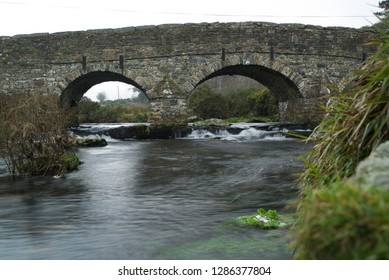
x=141 y=98
x=384 y=4
x=101 y=96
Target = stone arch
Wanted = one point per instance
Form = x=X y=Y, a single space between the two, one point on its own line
x=285 y=85
x=80 y=85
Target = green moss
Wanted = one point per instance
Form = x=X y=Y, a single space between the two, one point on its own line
x=70 y=161
x=343 y=221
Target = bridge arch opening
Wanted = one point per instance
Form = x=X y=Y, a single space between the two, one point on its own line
x=281 y=86
x=259 y=93
x=76 y=89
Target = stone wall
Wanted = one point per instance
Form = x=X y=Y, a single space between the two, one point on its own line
x=294 y=61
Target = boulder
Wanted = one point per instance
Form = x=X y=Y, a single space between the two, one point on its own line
x=91 y=142
x=128 y=132
x=373 y=171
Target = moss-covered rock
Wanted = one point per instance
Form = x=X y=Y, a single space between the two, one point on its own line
x=91 y=142
x=70 y=161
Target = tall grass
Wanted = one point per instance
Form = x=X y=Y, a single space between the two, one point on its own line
x=355 y=124
x=338 y=218
x=33 y=137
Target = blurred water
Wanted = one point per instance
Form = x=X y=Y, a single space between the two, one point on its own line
x=166 y=199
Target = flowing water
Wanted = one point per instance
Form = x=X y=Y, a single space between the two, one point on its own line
x=161 y=199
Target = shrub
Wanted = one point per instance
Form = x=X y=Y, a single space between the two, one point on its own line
x=34 y=136
x=240 y=102
x=247 y=103
x=343 y=222
x=207 y=104
x=265 y=104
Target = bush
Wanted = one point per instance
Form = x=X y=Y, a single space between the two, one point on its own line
x=34 y=134
x=247 y=103
x=265 y=104
x=207 y=104
x=240 y=102
x=343 y=222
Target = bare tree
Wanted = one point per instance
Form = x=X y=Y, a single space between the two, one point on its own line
x=101 y=96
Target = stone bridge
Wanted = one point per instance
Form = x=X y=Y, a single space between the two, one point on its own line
x=296 y=62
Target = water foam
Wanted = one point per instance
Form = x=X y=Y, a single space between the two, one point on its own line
x=247 y=135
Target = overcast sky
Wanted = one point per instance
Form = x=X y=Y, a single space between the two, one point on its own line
x=41 y=16
x=36 y=16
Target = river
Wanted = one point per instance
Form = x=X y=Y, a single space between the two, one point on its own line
x=160 y=199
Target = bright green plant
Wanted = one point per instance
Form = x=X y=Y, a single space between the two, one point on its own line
x=262 y=219
x=70 y=161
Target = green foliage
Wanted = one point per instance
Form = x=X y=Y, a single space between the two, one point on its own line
x=338 y=220
x=248 y=103
x=111 y=112
x=343 y=222
x=265 y=104
x=262 y=219
x=87 y=110
x=240 y=102
x=70 y=161
x=355 y=124
x=207 y=104
x=384 y=4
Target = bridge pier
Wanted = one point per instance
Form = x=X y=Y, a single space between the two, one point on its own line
x=168 y=102
x=168 y=110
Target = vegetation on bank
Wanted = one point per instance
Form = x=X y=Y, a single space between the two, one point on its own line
x=338 y=218
x=116 y=111
x=33 y=135
x=244 y=103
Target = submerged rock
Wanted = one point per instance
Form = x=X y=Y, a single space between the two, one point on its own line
x=128 y=132
x=91 y=142
x=141 y=132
